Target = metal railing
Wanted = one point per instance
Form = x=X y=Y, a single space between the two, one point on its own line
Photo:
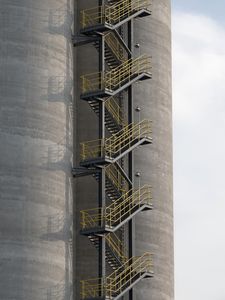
x=117 y=143
x=112 y=14
x=118 y=211
x=115 y=46
x=117 y=77
x=116 y=245
x=114 y=174
x=118 y=281
x=116 y=111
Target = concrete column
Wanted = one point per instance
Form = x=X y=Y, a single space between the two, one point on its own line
x=35 y=149
x=154 y=229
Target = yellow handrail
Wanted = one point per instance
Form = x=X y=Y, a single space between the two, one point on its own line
x=117 y=77
x=92 y=82
x=117 y=143
x=116 y=212
x=117 y=178
x=112 y=14
x=117 y=246
x=116 y=111
x=115 y=46
x=119 y=279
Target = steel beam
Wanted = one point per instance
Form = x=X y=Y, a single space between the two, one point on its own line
x=130 y=155
x=102 y=194
x=83 y=40
x=82 y=171
x=124 y=173
x=123 y=43
x=102 y=245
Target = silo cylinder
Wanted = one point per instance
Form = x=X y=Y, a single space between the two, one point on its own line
x=36 y=64
x=154 y=230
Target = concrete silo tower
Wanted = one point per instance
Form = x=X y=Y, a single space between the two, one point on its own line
x=36 y=60
x=86 y=207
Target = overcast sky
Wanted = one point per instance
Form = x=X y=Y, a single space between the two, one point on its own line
x=199 y=148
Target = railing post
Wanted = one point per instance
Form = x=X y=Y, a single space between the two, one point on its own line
x=139 y=192
x=83 y=20
x=82 y=290
x=102 y=14
x=102 y=216
x=109 y=218
x=83 y=220
x=82 y=83
x=83 y=151
x=102 y=147
x=139 y=130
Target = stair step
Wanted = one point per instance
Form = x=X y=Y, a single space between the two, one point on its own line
x=111 y=125
x=109 y=55
x=112 y=261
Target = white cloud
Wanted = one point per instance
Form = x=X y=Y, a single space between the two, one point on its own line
x=199 y=52
x=199 y=156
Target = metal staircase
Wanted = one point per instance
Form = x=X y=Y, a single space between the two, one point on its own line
x=109 y=159
x=120 y=281
x=110 y=150
x=115 y=52
x=114 y=115
x=107 y=17
x=116 y=183
x=110 y=83
x=112 y=217
x=115 y=250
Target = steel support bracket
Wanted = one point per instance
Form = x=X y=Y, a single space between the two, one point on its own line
x=122 y=42
x=124 y=174
x=82 y=171
x=79 y=40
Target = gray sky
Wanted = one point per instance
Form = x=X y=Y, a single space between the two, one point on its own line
x=199 y=148
x=214 y=9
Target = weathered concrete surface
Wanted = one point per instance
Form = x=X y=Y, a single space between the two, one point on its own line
x=35 y=149
x=154 y=229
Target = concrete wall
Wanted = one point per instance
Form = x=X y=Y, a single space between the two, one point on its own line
x=35 y=149
x=154 y=229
